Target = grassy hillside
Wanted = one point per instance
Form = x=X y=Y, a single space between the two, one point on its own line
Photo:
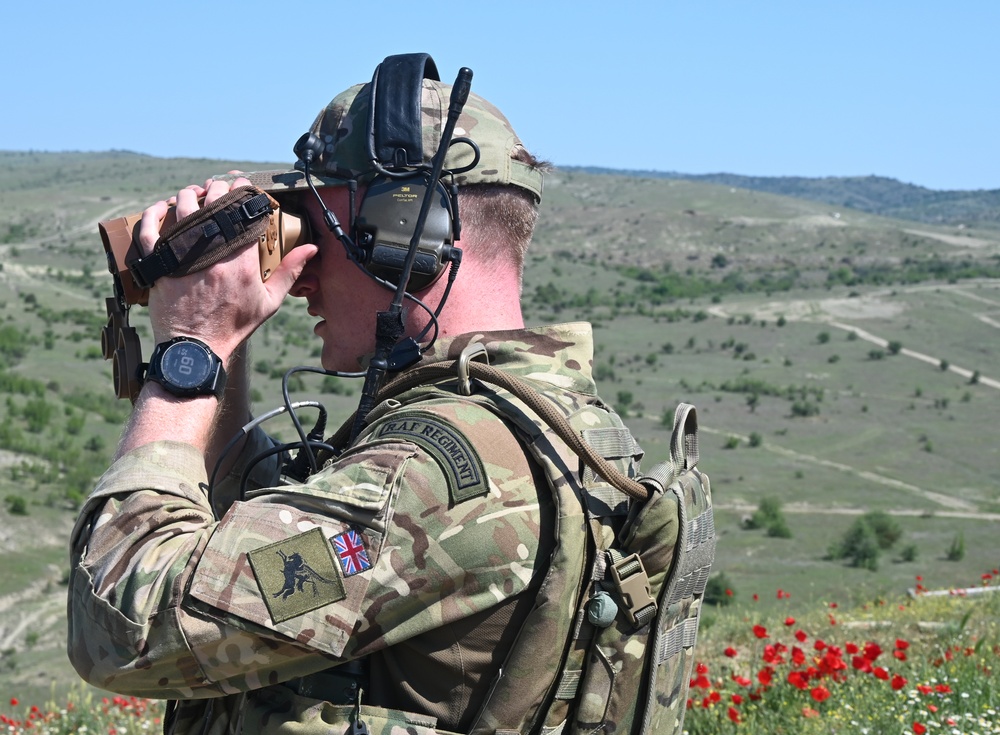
x=873 y=194
x=841 y=362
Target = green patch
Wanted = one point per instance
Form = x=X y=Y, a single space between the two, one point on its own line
x=297 y=575
x=462 y=465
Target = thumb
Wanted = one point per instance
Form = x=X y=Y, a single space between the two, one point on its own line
x=289 y=269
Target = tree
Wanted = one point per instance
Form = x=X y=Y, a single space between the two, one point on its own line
x=859 y=546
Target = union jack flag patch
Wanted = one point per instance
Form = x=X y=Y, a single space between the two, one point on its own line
x=350 y=548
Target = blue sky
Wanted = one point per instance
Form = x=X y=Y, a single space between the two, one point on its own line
x=812 y=88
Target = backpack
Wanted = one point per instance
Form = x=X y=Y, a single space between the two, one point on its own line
x=609 y=644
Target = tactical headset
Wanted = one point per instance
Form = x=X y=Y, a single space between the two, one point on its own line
x=387 y=227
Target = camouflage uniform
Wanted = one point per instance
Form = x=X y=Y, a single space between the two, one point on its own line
x=421 y=549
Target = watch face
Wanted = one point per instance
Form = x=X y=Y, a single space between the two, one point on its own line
x=186 y=365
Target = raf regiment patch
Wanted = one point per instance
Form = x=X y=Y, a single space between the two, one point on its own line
x=297 y=575
x=461 y=463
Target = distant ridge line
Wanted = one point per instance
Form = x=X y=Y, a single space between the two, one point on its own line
x=879 y=195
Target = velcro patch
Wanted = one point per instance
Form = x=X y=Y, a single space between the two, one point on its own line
x=297 y=574
x=462 y=465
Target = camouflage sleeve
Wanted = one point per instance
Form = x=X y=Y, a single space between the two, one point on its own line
x=396 y=537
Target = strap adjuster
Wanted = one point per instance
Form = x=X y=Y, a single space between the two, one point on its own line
x=632 y=584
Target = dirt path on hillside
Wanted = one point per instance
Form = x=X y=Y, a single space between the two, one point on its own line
x=836 y=311
x=954 y=505
x=810 y=509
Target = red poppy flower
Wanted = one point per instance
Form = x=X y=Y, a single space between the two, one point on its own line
x=755 y=597
x=942 y=689
x=729 y=592
x=764 y=676
x=798 y=680
x=881 y=673
x=730 y=652
x=737 y=699
x=901 y=655
x=924 y=689
x=819 y=645
x=820 y=693
x=898 y=682
x=14 y=702
x=741 y=680
x=861 y=664
x=932 y=708
x=789 y=621
x=851 y=648
x=734 y=714
x=714 y=697
x=701 y=682
x=760 y=631
x=901 y=644
x=809 y=712
x=800 y=636
x=701 y=668
x=872 y=651
x=798 y=656
x=919 y=729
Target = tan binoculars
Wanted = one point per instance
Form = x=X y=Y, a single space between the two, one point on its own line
x=280 y=233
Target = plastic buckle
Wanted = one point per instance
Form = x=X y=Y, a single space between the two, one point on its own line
x=260 y=204
x=472 y=352
x=633 y=588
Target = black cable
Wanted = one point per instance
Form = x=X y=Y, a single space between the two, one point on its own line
x=248 y=427
x=254 y=461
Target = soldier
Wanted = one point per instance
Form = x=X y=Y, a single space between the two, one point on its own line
x=385 y=592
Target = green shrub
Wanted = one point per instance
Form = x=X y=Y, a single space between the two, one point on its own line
x=956 y=552
x=16 y=505
x=719 y=590
x=859 y=546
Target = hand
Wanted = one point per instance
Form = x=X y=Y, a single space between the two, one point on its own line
x=225 y=303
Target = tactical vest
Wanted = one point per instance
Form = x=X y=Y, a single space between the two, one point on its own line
x=609 y=644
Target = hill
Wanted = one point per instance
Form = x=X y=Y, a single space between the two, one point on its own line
x=842 y=362
x=874 y=194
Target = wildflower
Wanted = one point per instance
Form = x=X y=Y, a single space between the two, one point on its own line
x=798 y=680
x=932 y=708
x=789 y=621
x=800 y=636
x=734 y=714
x=798 y=656
x=942 y=689
x=872 y=651
x=730 y=652
x=898 y=682
x=924 y=689
x=819 y=645
x=881 y=673
x=755 y=597
x=742 y=680
x=737 y=699
x=901 y=655
x=729 y=592
x=820 y=693
x=901 y=644
x=764 y=675
x=760 y=631
x=701 y=668
x=809 y=712
x=862 y=664
x=919 y=729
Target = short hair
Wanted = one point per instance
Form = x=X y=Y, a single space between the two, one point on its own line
x=503 y=217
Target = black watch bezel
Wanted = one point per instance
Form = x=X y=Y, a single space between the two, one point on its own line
x=207 y=377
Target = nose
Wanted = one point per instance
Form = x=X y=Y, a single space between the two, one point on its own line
x=307 y=283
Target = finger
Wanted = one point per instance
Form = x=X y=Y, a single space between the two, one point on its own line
x=149 y=226
x=187 y=202
x=288 y=271
x=240 y=181
x=215 y=190
x=234 y=172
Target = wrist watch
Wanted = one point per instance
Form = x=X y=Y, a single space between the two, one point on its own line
x=187 y=367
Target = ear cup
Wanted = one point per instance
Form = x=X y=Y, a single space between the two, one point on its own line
x=385 y=224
